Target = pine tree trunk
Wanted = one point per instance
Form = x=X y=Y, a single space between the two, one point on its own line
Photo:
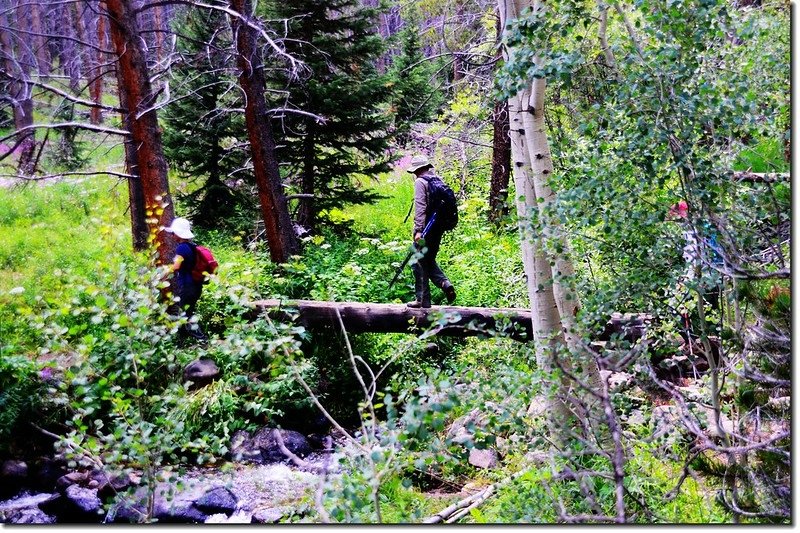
x=274 y=209
x=42 y=53
x=139 y=230
x=152 y=166
x=71 y=60
x=501 y=162
x=20 y=91
x=307 y=214
x=96 y=80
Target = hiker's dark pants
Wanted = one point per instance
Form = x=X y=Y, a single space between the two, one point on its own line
x=189 y=293
x=426 y=270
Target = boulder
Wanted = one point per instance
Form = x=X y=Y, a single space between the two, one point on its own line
x=84 y=501
x=217 y=500
x=201 y=372
x=243 y=447
x=71 y=478
x=267 y=442
x=271 y=515
x=482 y=458
x=30 y=516
x=617 y=381
x=76 y=505
x=112 y=485
x=46 y=474
x=239 y=517
x=13 y=477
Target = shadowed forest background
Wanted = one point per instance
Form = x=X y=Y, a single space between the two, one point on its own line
x=655 y=384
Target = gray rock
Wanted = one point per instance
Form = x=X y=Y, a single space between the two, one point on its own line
x=29 y=516
x=14 y=471
x=243 y=448
x=201 y=372
x=78 y=505
x=47 y=473
x=112 y=485
x=482 y=458
x=617 y=381
x=266 y=441
x=71 y=478
x=180 y=514
x=13 y=477
x=272 y=515
x=85 y=500
x=239 y=517
x=217 y=500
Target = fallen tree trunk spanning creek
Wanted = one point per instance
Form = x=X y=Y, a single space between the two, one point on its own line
x=361 y=317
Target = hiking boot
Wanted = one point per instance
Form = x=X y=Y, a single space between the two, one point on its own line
x=449 y=292
x=416 y=304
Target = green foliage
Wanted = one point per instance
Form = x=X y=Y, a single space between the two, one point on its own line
x=415 y=98
x=535 y=496
x=341 y=136
x=22 y=392
x=201 y=134
x=69 y=153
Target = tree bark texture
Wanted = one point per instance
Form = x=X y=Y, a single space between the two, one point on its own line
x=136 y=203
x=18 y=63
x=136 y=91
x=41 y=51
x=363 y=317
x=501 y=162
x=563 y=270
x=306 y=214
x=96 y=76
x=274 y=208
x=398 y=318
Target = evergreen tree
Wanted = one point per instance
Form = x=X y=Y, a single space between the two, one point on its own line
x=324 y=159
x=416 y=97
x=199 y=133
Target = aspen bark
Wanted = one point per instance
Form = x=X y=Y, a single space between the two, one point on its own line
x=274 y=209
x=563 y=270
x=135 y=85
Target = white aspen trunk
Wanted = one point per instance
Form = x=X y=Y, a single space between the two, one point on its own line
x=563 y=271
x=546 y=322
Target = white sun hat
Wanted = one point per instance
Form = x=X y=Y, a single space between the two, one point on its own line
x=181 y=227
x=418 y=162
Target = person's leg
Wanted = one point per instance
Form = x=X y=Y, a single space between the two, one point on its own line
x=190 y=294
x=435 y=273
x=422 y=289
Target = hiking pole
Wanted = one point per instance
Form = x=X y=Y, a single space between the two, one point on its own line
x=412 y=251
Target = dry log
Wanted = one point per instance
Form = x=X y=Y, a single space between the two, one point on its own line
x=360 y=317
x=761 y=177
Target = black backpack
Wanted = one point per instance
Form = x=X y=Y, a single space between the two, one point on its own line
x=442 y=201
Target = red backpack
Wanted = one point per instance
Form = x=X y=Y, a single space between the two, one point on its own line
x=204 y=264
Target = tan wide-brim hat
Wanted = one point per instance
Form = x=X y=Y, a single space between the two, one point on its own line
x=181 y=227
x=418 y=162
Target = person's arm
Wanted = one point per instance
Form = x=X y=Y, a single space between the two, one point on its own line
x=420 y=206
x=177 y=262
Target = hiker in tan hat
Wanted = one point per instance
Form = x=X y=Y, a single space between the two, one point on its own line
x=430 y=195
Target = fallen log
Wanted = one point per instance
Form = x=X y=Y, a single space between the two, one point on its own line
x=361 y=317
x=761 y=177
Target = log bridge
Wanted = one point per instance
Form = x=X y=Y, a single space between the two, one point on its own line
x=361 y=317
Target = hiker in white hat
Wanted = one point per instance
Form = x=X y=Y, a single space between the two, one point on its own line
x=426 y=269
x=188 y=290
